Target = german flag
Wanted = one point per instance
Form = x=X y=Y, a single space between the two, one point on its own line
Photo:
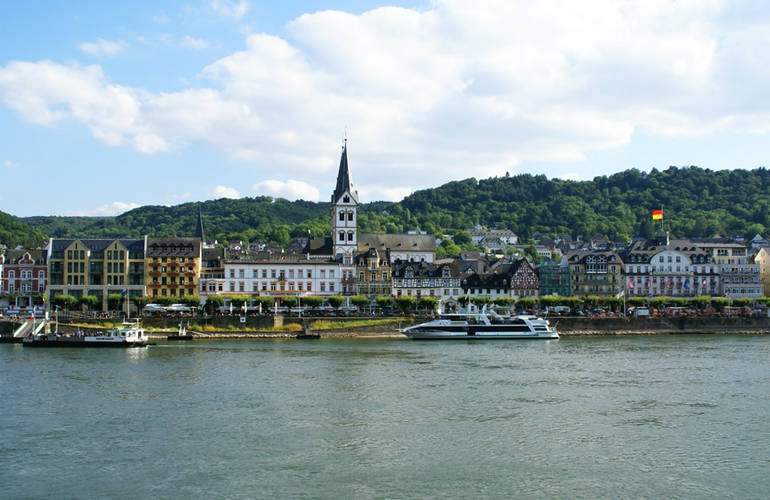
x=657 y=214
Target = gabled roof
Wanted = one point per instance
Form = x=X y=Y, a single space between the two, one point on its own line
x=344 y=182
x=397 y=242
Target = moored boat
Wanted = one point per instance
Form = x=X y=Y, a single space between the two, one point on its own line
x=129 y=335
x=478 y=326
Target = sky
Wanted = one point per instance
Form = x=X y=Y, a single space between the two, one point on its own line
x=107 y=106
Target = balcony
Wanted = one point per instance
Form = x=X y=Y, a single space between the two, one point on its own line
x=154 y=273
x=154 y=285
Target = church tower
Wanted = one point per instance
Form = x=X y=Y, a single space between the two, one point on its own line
x=345 y=212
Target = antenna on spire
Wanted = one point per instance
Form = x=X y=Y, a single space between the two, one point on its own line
x=345 y=140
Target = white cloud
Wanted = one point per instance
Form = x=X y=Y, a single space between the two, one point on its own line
x=291 y=190
x=192 y=43
x=446 y=92
x=114 y=208
x=383 y=193
x=160 y=18
x=225 y=192
x=10 y=164
x=102 y=48
x=230 y=8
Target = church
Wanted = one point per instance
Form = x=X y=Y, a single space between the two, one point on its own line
x=347 y=244
x=346 y=262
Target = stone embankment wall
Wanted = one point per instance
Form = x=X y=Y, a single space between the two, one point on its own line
x=646 y=326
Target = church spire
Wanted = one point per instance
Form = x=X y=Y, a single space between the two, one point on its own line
x=199 y=226
x=344 y=182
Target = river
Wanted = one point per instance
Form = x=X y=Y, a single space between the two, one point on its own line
x=662 y=416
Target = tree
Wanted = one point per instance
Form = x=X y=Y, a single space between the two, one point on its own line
x=360 y=301
x=701 y=301
x=289 y=301
x=504 y=301
x=65 y=301
x=720 y=303
x=140 y=302
x=193 y=301
x=267 y=303
x=526 y=303
x=312 y=301
x=428 y=303
x=213 y=303
x=114 y=300
x=638 y=301
x=406 y=303
x=384 y=301
x=463 y=300
x=463 y=240
x=89 y=301
x=335 y=301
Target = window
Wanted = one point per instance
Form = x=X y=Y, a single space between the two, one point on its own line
x=232 y=272
x=342 y=216
x=264 y=273
x=342 y=235
x=322 y=286
x=350 y=235
x=350 y=216
x=331 y=273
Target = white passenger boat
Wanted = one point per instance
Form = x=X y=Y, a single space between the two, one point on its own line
x=482 y=325
x=129 y=335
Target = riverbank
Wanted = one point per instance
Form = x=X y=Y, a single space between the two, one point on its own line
x=566 y=326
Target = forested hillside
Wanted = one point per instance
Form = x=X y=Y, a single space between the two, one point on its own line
x=13 y=232
x=695 y=202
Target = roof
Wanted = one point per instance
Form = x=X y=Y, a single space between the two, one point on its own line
x=173 y=247
x=397 y=242
x=97 y=244
x=344 y=182
x=320 y=246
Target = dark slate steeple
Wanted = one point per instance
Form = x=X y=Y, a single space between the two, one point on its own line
x=199 y=226
x=344 y=182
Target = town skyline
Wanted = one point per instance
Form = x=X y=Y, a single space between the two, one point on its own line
x=108 y=108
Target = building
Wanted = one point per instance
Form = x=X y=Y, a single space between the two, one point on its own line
x=212 y=279
x=401 y=247
x=172 y=266
x=515 y=279
x=283 y=274
x=373 y=274
x=595 y=273
x=762 y=259
x=23 y=273
x=423 y=279
x=673 y=268
x=96 y=267
x=554 y=278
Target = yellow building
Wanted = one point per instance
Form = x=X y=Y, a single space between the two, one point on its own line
x=763 y=259
x=96 y=267
x=172 y=267
x=595 y=273
x=373 y=274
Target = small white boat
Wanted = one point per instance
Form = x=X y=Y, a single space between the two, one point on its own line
x=483 y=325
x=129 y=335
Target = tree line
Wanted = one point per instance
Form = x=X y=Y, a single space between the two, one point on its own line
x=696 y=202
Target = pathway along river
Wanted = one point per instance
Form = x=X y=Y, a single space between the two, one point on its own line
x=609 y=417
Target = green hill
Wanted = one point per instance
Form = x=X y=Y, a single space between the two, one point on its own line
x=695 y=201
x=14 y=232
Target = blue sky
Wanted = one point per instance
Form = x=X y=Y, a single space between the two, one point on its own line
x=105 y=106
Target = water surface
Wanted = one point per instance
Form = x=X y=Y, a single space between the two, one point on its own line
x=609 y=417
